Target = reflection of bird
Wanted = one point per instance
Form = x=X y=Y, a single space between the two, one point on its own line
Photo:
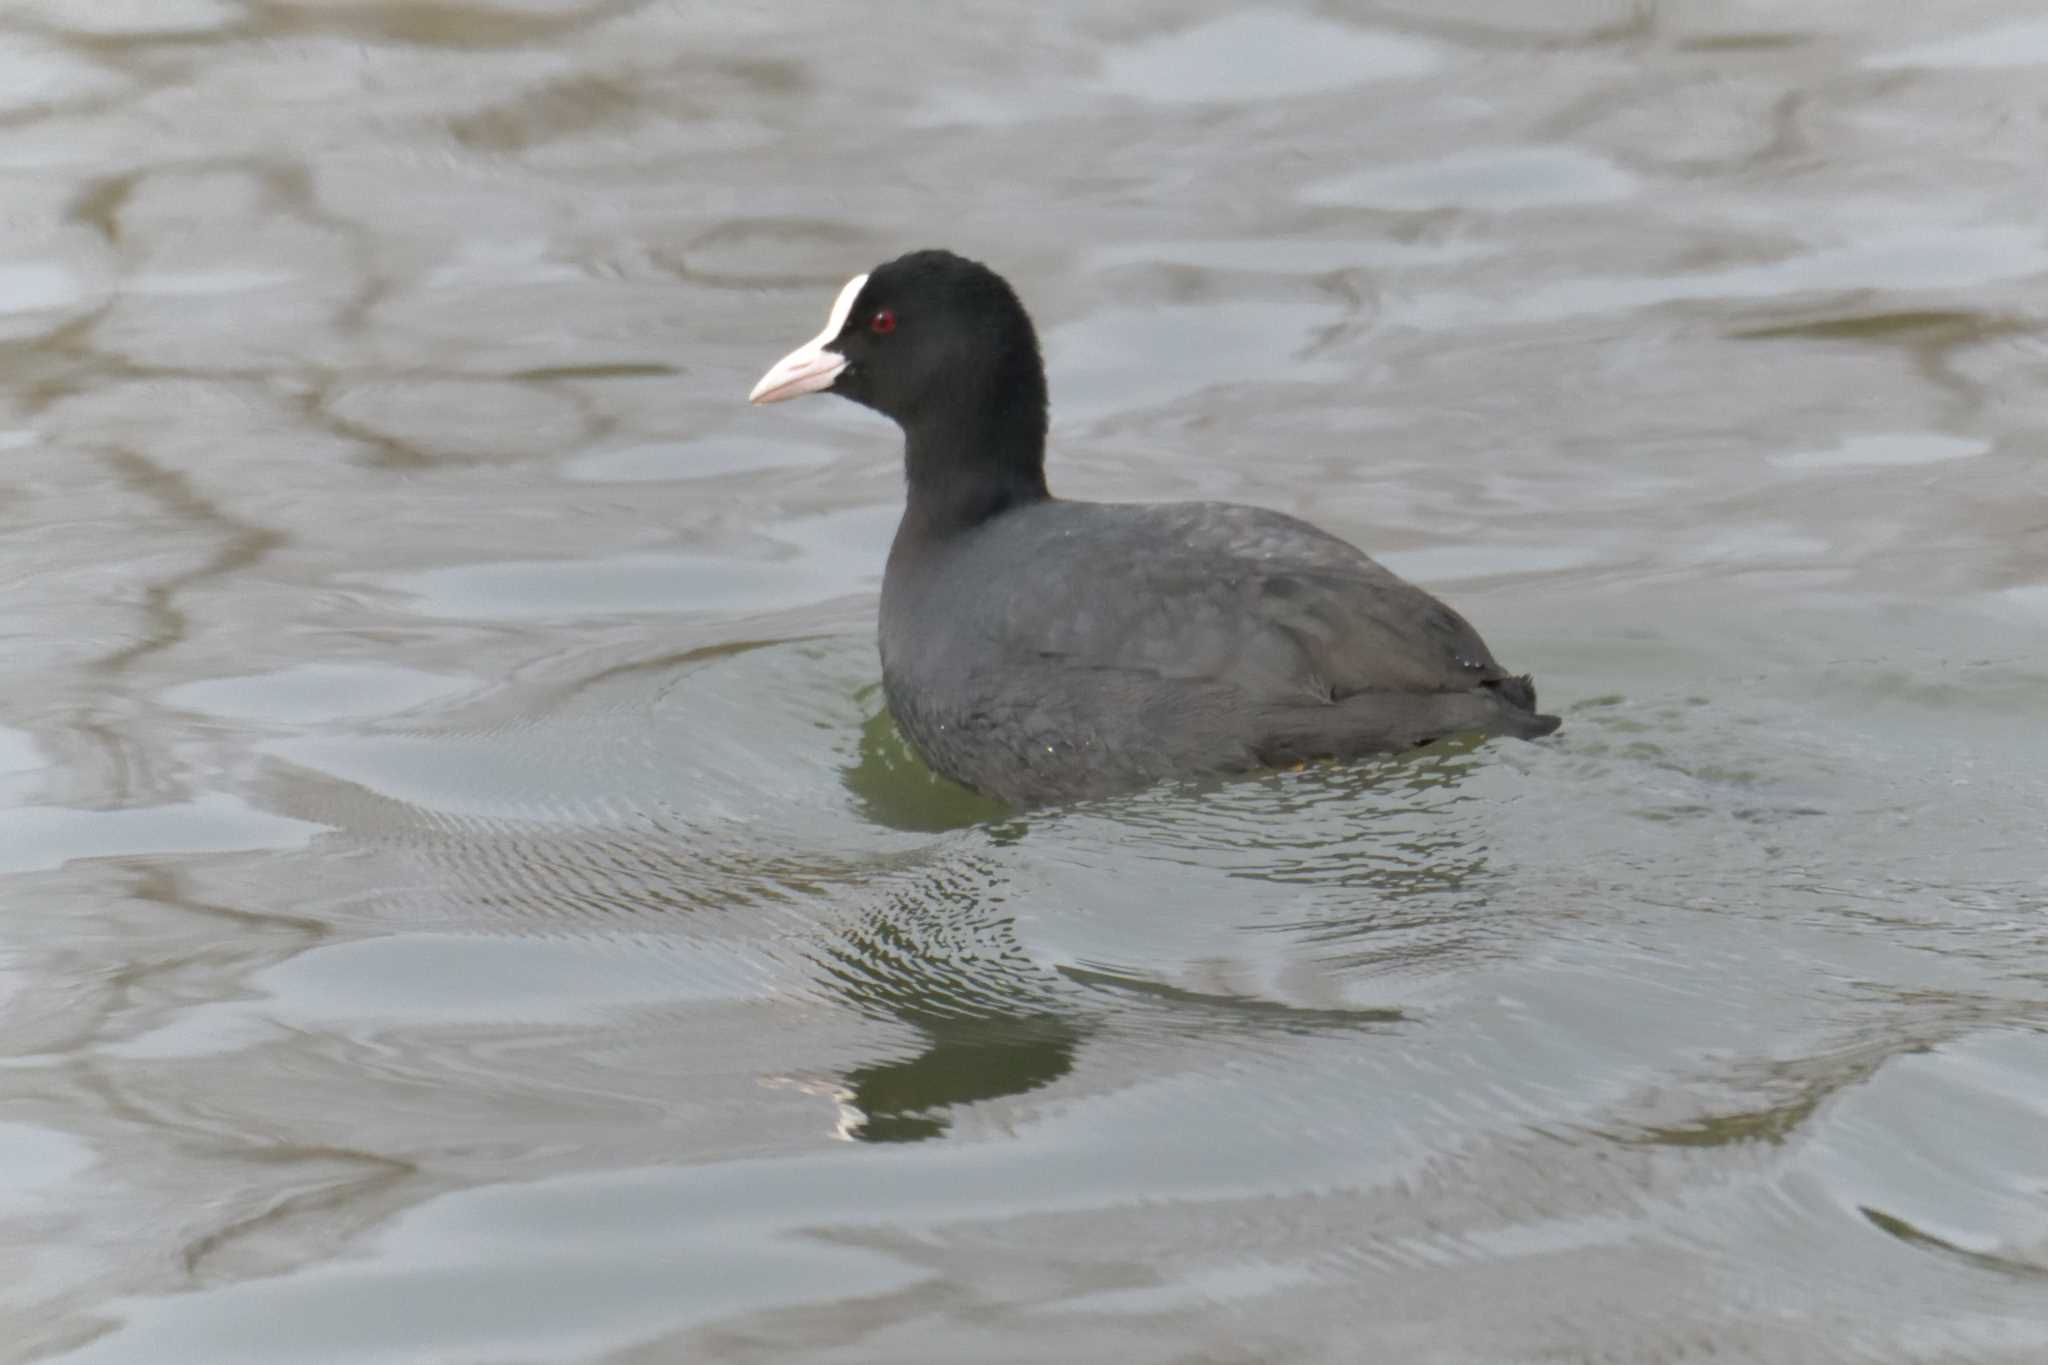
x=1035 y=649
x=992 y=1021
x=964 y=1060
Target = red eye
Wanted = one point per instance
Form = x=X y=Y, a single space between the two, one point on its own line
x=882 y=323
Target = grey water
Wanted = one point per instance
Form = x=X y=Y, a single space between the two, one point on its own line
x=461 y=899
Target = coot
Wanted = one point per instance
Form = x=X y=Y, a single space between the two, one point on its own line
x=1037 y=650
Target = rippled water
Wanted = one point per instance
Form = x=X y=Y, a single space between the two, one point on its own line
x=463 y=902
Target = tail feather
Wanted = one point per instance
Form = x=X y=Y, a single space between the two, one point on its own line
x=1380 y=722
x=1518 y=703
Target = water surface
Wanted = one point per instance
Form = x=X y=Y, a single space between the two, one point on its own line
x=465 y=903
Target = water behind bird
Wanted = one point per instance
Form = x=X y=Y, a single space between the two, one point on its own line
x=466 y=900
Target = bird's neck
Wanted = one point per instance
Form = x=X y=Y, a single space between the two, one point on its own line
x=973 y=458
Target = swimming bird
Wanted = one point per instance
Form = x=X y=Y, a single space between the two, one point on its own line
x=1036 y=649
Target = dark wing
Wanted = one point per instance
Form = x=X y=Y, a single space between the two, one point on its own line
x=1235 y=594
